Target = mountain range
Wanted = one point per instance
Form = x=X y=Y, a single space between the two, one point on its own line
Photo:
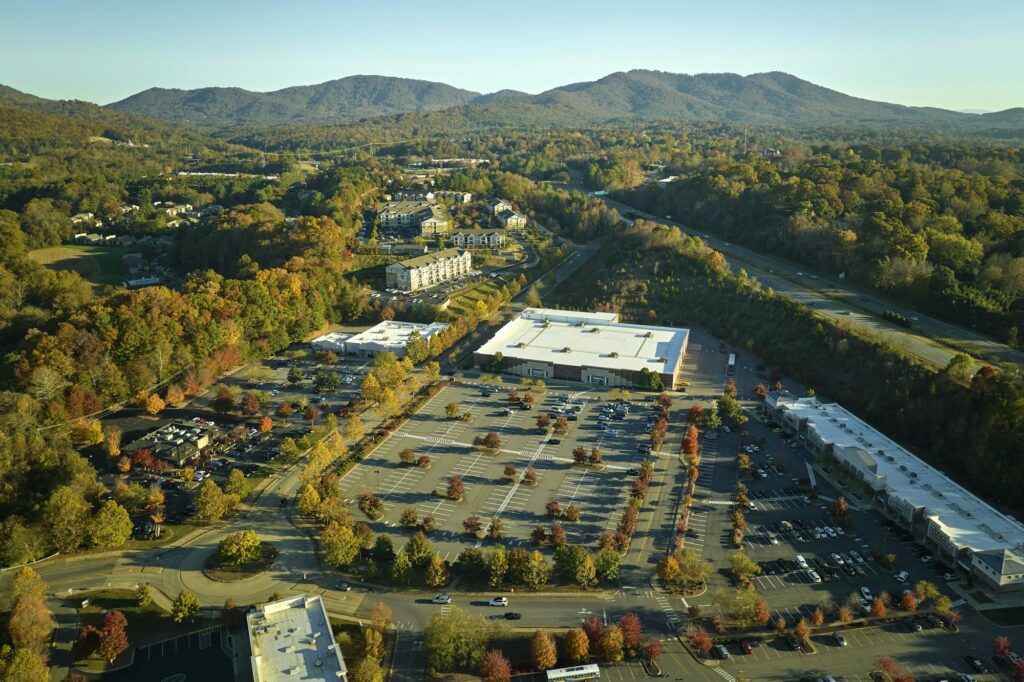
x=773 y=98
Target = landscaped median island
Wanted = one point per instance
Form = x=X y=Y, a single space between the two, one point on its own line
x=240 y=556
x=463 y=643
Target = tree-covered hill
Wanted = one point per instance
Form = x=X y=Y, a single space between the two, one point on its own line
x=350 y=98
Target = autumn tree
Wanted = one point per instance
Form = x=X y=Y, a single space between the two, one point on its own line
x=878 y=608
x=112 y=441
x=30 y=624
x=495 y=667
x=66 y=515
x=801 y=631
x=380 y=617
x=577 y=646
x=612 y=644
x=844 y=615
x=373 y=644
x=909 y=602
x=456 y=488
x=113 y=639
x=700 y=640
x=437 y=572
x=543 y=654
x=632 y=631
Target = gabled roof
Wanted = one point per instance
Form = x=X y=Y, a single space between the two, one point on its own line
x=1002 y=561
x=420 y=261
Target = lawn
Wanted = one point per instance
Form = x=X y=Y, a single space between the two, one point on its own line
x=96 y=264
x=464 y=302
x=145 y=623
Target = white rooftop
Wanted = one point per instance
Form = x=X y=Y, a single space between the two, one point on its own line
x=392 y=334
x=542 y=335
x=963 y=517
x=332 y=340
x=291 y=639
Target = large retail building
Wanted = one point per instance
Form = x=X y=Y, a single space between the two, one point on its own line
x=593 y=348
x=942 y=515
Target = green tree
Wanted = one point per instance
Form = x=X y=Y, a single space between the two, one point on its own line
x=742 y=566
x=401 y=570
x=185 y=605
x=239 y=548
x=368 y=670
x=22 y=665
x=497 y=567
x=339 y=544
x=237 y=484
x=353 y=429
x=308 y=500
x=416 y=348
x=211 y=502
x=66 y=515
x=457 y=640
x=537 y=571
x=437 y=572
x=419 y=549
x=111 y=526
x=607 y=562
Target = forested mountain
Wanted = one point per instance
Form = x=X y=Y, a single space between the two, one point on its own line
x=350 y=98
x=773 y=98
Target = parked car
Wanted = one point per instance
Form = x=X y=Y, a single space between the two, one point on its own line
x=976 y=663
x=866 y=593
x=745 y=646
x=839 y=638
x=344 y=587
x=902 y=577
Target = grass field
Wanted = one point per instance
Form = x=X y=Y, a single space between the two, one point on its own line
x=96 y=264
x=464 y=302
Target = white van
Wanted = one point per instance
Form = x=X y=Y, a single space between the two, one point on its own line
x=801 y=562
x=902 y=576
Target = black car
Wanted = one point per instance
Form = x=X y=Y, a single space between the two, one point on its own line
x=976 y=663
x=632 y=472
x=554 y=441
x=513 y=615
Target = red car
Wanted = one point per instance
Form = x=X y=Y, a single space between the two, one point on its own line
x=745 y=646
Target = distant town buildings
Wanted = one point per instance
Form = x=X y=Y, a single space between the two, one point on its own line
x=430 y=270
x=424 y=215
x=478 y=239
x=291 y=639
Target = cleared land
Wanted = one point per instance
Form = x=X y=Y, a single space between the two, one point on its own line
x=98 y=265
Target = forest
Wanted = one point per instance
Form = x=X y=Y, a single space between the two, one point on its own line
x=969 y=427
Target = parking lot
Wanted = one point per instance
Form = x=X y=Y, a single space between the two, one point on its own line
x=598 y=493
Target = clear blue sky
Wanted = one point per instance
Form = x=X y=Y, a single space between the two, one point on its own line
x=947 y=53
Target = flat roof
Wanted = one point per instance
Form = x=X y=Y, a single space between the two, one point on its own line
x=332 y=339
x=967 y=520
x=392 y=333
x=291 y=639
x=542 y=334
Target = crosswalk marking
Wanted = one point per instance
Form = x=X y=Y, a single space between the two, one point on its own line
x=725 y=674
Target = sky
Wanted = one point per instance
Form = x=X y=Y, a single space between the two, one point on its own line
x=943 y=53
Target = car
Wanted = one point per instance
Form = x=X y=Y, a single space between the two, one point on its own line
x=926 y=558
x=902 y=577
x=814 y=576
x=839 y=638
x=866 y=593
x=849 y=570
x=766 y=568
x=801 y=562
x=498 y=601
x=513 y=615
x=948 y=577
x=441 y=599
x=751 y=506
x=914 y=626
x=859 y=570
x=632 y=472
x=773 y=539
x=601 y=426
x=603 y=418
x=976 y=663
x=344 y=587
x=745 y=646
x=722 y=652
x=856 y=556
x=508 y=412
x=554 y=441
x=837 y=559
x=283 y=502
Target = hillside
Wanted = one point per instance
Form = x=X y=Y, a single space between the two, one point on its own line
x=351 y=98
x=773 y=98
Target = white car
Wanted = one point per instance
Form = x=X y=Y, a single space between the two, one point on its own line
x=856 y=556
x=831 y=531
x=801 y=562
x=442 y=599
x=498 y=601
x=902 y=577
x=866 y=593
x=837 y=559
x=814 y=576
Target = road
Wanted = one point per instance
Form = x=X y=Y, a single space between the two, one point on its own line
x=930 y=340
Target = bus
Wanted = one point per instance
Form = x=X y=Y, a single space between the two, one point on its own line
x=732 y=364
x=579 y=672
